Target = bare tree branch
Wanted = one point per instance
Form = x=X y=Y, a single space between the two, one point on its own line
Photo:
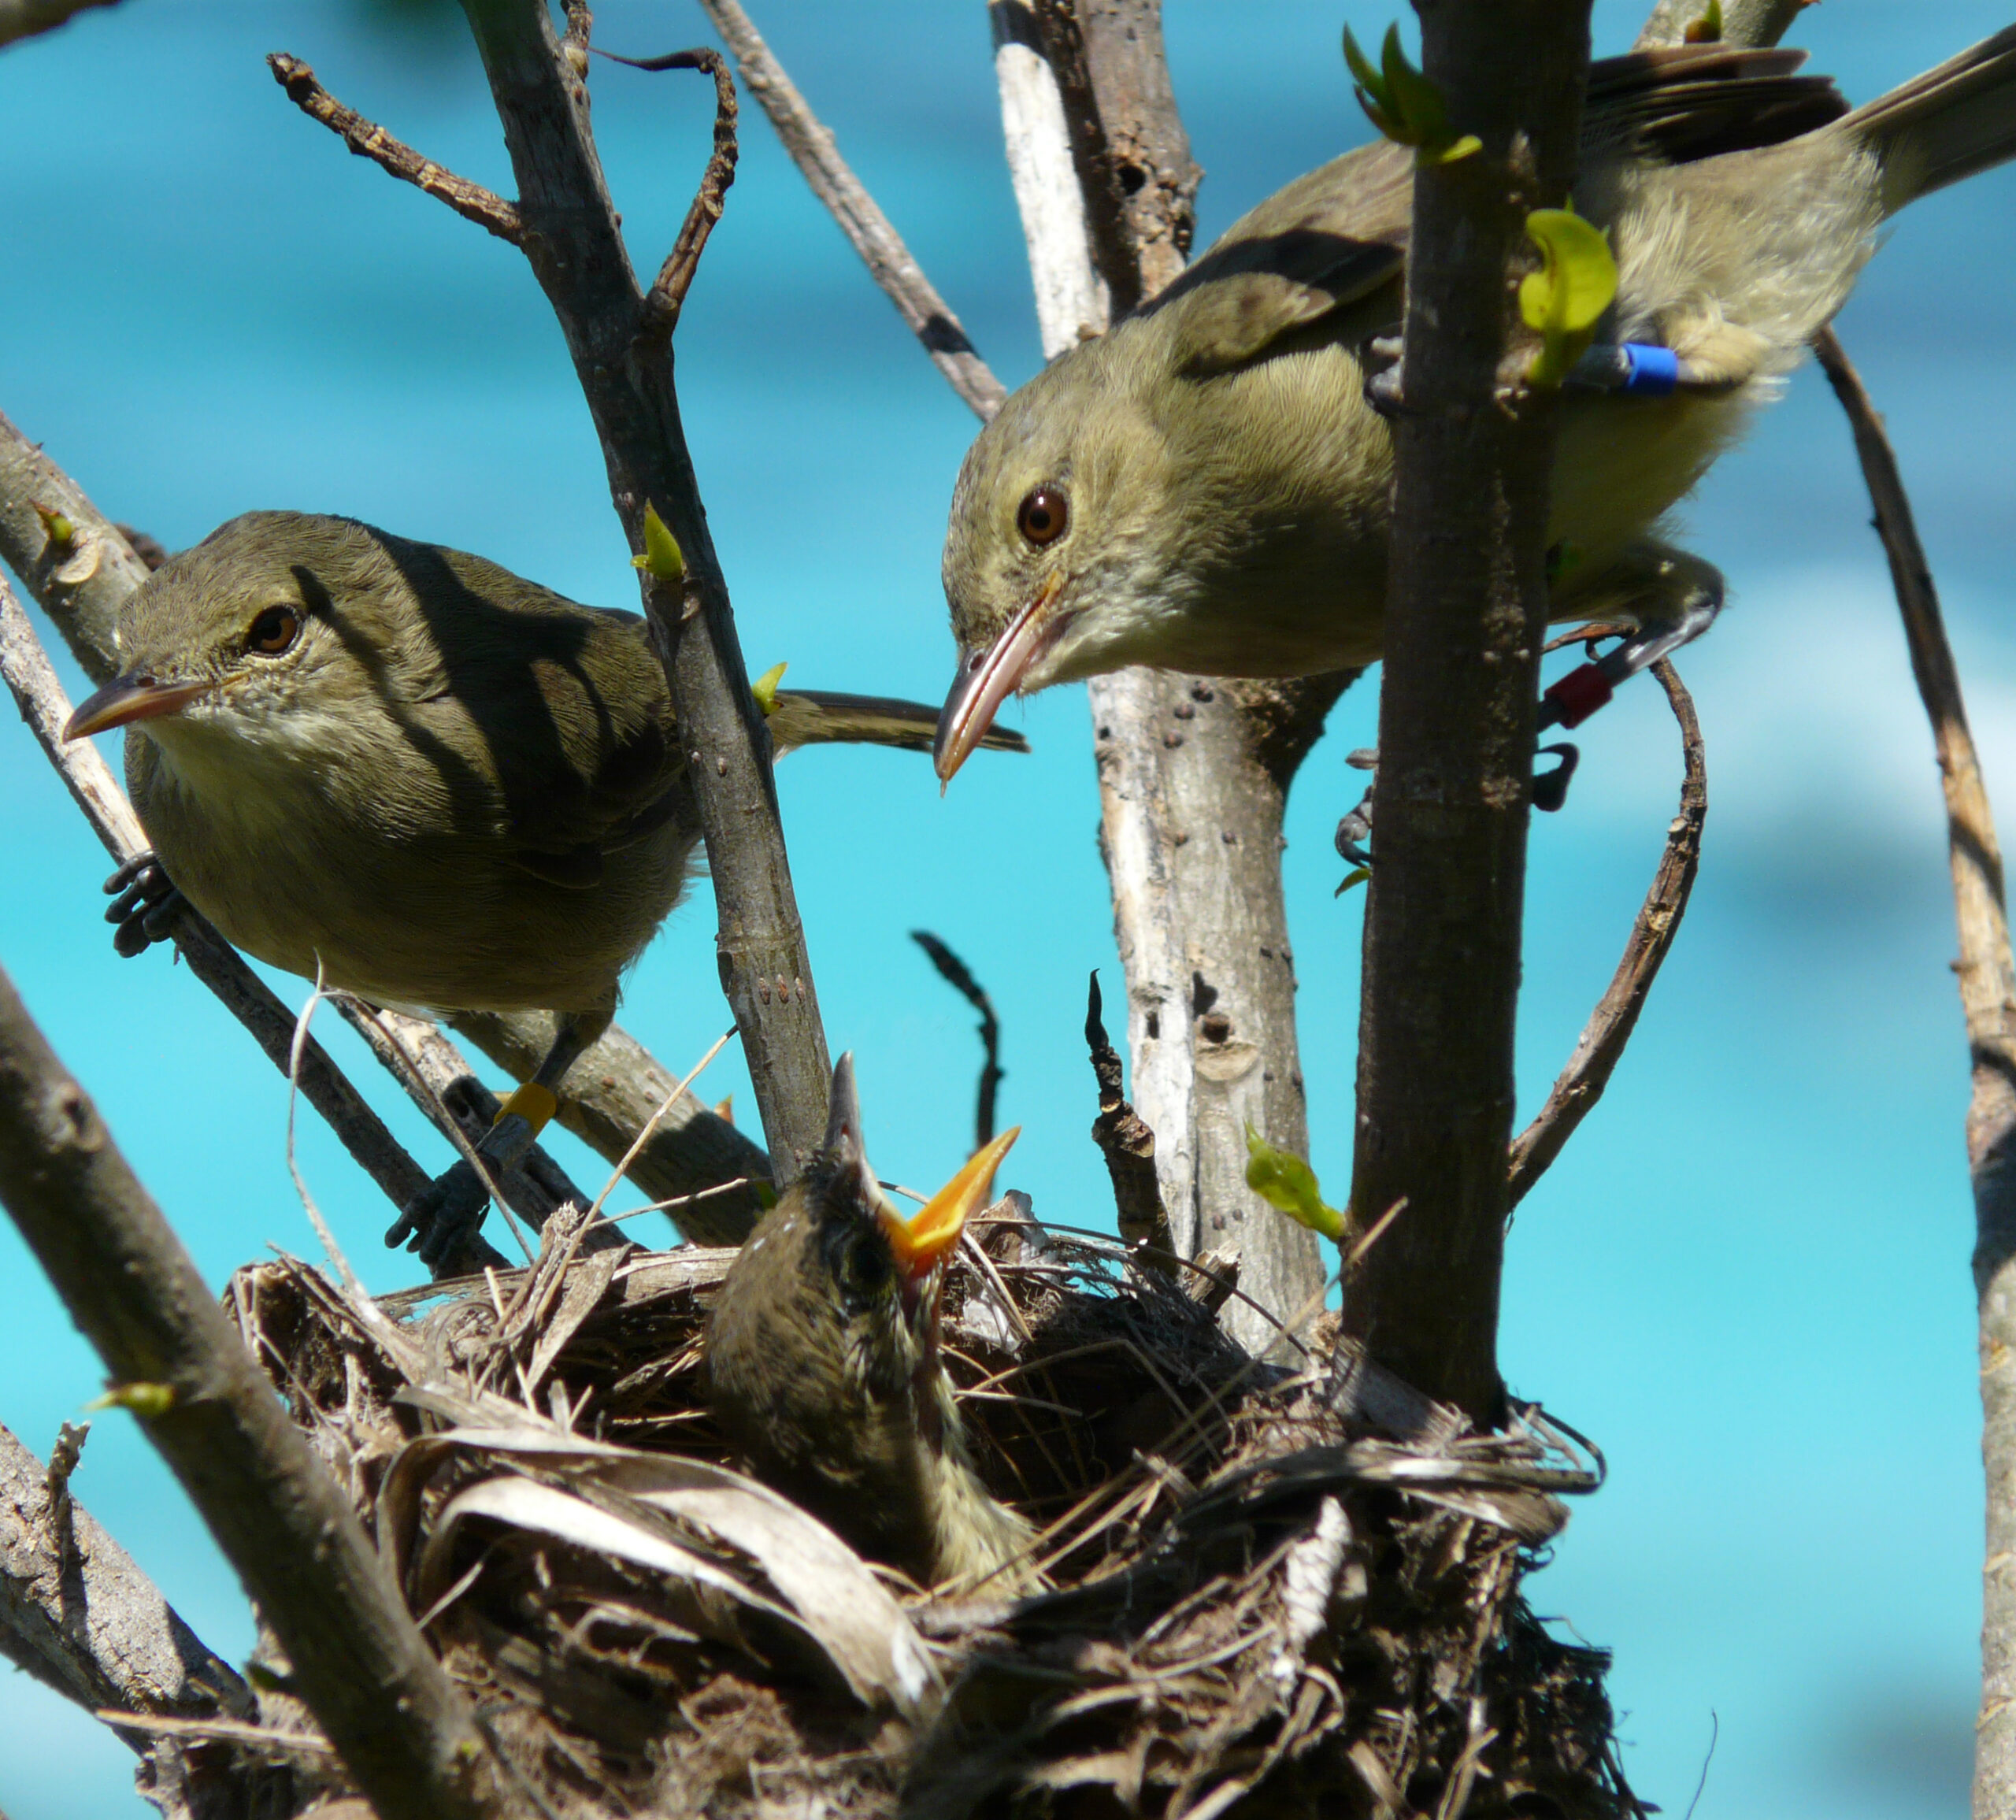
x=867 y=228
x=1126 y=1142
x=1466 y=608
x=667 y=296
x=354 y=1654
x=368 y=140
x=575 y=249
x=1987 y=974
x=1194 y=773
x=77 y=1614
x=1601 y=1046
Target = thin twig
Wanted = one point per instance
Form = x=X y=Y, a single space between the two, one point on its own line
x=643 y=1137
x=579 y=260
x=667 y=296
x=1986 y=975
x=867 y=228
x=1581 y=1083
x=1127 y=1145
x=368 y=140
x=958 y=976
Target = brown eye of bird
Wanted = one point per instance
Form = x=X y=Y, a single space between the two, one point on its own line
x=1043 y=515
x=273 y=630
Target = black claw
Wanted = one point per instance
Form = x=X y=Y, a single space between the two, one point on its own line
x=131 y=872
x=443 y=1217
x=146 y=906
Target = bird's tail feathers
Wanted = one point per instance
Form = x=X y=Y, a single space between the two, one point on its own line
x=815 y=718
x=1945 y=124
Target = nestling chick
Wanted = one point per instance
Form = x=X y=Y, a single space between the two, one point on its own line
x=1207 y=487
x=449 y=788
x=823 y=1366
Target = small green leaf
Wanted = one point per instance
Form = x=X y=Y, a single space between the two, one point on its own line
x=1416 y=99
x=1356 y=876
x=148 y=1400
x=1288 y=1183
x=1363 y=73
x=1456 y=149
x=1564 y=300
x=1403 y=104
x=765 y=689
x=662 y=557
x=59 y=529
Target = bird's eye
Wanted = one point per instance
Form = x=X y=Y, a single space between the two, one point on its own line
x=273 y=630
x=864 y=1268
x=1043 y=515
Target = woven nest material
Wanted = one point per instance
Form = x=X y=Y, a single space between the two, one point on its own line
x=1284 y=1591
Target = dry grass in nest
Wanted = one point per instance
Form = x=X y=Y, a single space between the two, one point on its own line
x=1286 y=1591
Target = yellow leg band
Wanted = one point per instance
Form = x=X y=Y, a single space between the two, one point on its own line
x=535 y=1104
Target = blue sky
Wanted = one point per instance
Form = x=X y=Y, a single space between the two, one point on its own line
x=1748 y=1277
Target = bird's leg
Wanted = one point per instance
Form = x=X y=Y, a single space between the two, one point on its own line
x=1670 y=598
x=147 y=905
x=448 y=1212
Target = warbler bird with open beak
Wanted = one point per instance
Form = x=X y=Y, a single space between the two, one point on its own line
x=443 y=785
x=1207 y=487
x=823 y=1365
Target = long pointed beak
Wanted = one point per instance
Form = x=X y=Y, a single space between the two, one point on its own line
x=987 y=678
x=929 y=1235
x=126 y=699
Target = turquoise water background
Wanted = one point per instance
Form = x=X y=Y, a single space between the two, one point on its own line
x=1748 y=1277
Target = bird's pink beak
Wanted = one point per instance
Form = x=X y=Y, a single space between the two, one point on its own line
x=126 y=699
x=987 y=678
x=924 y=1240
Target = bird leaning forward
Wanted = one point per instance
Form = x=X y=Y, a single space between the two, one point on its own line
x=439 y=784
x=1207 y=487
x=823 y=1365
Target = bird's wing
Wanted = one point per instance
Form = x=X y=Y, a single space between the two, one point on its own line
x=1331 y=238
x=564 y=707
x=1680 y=102
x=815 y=718
x=1338 y=236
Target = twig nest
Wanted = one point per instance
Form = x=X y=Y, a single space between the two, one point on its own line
x=1288 y=1591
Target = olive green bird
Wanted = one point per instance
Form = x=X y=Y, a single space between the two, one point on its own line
x=437 y=784
x=823 y=1365
x=1207 y=487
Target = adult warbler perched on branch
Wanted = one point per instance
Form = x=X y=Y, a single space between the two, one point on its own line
x=1206 y=487
x=823 y=1364
x=440 y=784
